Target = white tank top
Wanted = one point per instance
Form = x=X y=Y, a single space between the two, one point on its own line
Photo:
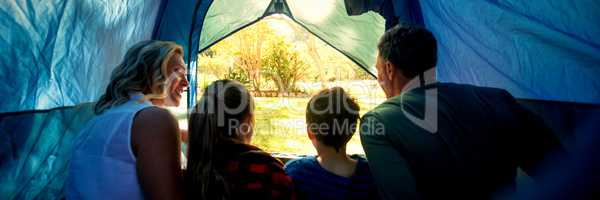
x=103 y=165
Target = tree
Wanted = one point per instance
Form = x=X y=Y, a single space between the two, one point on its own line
x=239 y=56
x=249 y=51
x=283 y=66
x=314 y=49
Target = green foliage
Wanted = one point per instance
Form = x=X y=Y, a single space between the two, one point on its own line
x=283 y=66
x=236 y=73
x=215 y=67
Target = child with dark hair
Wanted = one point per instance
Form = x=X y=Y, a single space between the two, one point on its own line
x=222 y=164
x=331 y=118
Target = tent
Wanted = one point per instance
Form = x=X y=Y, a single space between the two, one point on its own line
x=56 y=57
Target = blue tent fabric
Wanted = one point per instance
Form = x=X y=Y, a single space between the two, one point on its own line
x=35 y=149
x=61 y=53
x=543 y=50
x=55 y=54
x=577 y=125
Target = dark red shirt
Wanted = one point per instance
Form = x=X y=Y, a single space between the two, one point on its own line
x=254 y=174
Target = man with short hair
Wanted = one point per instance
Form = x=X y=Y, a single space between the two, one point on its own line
x=440 y=140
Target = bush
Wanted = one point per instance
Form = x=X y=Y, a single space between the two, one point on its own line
x=238 y=74
x=283 y=66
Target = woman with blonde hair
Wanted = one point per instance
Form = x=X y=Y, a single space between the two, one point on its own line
x=130 y=150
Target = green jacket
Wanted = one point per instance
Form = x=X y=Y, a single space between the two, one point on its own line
x=468 y=146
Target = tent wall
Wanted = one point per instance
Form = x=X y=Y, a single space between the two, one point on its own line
x=572 y=122
x=35 y=148
x=60 y=53
x=56 y=54
x=576 y=125
x=543 y=50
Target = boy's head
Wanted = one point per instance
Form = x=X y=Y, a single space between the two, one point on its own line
x=331 y=117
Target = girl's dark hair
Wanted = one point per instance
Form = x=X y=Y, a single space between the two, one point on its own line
x=216 y=118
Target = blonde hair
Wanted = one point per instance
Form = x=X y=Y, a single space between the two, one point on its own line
x=143 y=69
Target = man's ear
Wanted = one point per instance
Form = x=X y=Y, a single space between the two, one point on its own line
x=310 y=134
x=390 y=70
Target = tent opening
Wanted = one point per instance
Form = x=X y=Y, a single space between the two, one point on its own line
x=283 y=65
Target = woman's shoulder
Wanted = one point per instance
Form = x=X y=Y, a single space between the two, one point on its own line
x=154 y=116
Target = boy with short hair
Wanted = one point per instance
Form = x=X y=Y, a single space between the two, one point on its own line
x=331 y=118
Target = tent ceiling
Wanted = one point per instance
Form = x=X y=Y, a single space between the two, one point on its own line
x=354 y=36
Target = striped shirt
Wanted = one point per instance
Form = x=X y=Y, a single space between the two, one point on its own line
x=314 y=182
